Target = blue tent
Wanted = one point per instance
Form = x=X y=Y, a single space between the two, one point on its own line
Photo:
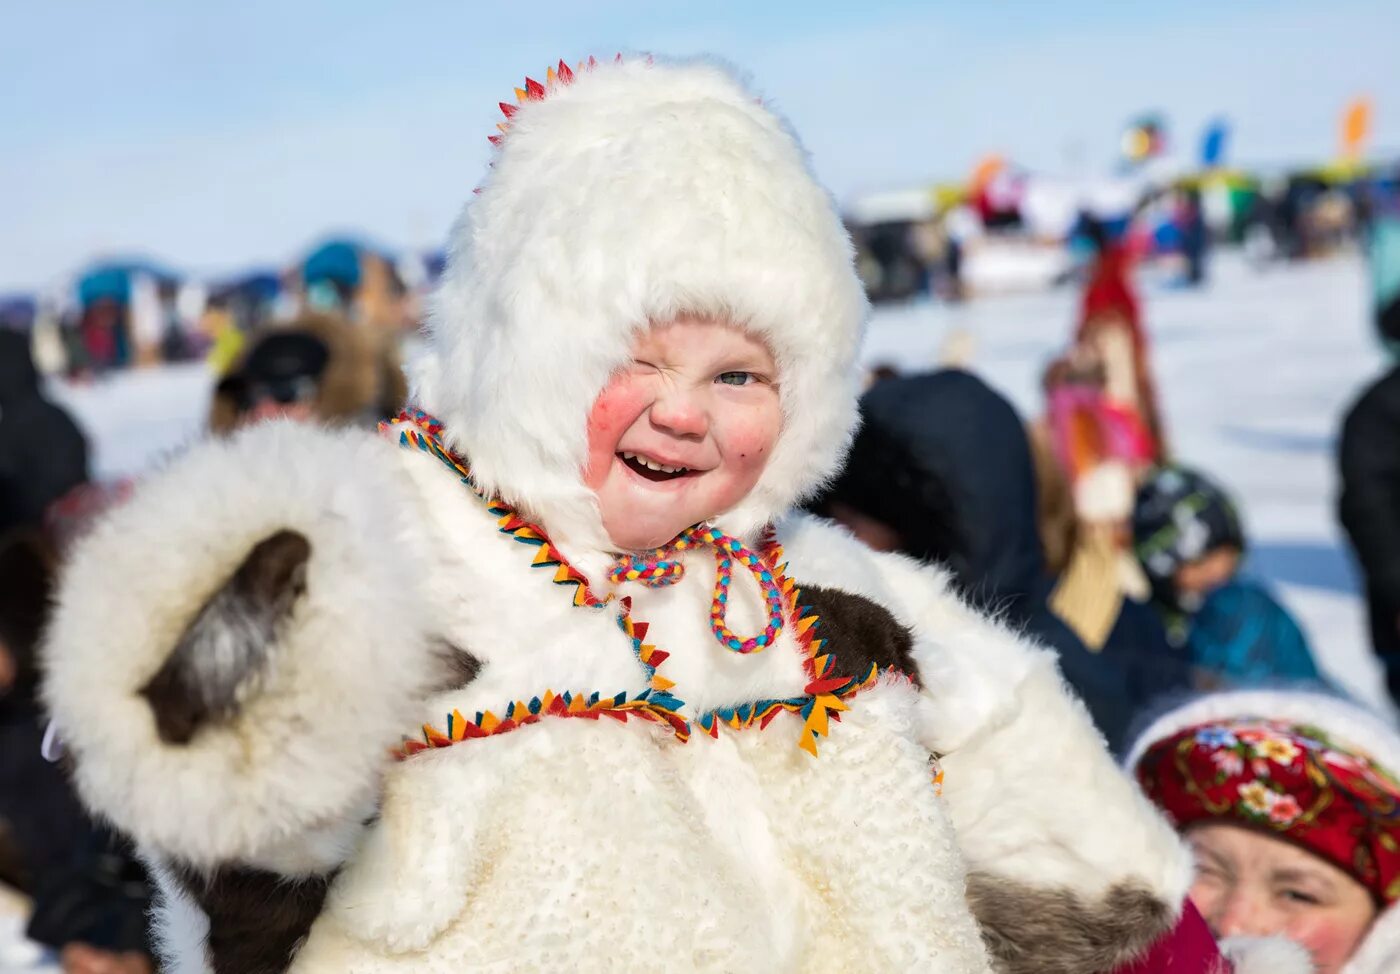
x=258 y=286
x=112 y=280
x=335 y=260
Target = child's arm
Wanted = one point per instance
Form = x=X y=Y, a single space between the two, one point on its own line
x=235 y=649
x=1070 y=868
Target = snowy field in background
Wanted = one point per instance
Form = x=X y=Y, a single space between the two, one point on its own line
x=1255 y=372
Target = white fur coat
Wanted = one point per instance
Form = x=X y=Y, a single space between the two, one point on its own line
x=578 y=844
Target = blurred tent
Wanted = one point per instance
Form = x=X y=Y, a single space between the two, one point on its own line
x=350 y=276
x=18 y=311
x=261 y=286
x=337 y=261
x=111 y=280
x=127 y=310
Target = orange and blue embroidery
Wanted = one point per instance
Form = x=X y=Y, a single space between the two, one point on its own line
x=658 y=708
x=418 y=429
x=823 y=699
x=663 y=567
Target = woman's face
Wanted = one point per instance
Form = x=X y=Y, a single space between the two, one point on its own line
x=1251 y=884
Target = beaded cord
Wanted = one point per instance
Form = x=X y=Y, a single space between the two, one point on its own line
x=662 y=567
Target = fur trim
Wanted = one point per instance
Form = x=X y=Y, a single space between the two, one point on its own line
x=1379 y=953
x=1039 y=931
x=1022 y=761
x=1344 y=720
x=1268 y=955
x=637 y=192
x=179 y=928
x=354 y=656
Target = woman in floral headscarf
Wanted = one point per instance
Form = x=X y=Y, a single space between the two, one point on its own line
x=1290 y=804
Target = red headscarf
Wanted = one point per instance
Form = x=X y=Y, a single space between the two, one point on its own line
x=1285 y=779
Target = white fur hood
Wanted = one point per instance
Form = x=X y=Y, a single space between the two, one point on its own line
x=624 y=193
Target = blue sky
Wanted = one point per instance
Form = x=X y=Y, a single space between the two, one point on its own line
x=216 y=137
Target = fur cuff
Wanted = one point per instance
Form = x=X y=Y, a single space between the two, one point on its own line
x=1266 y=955
x=294 y=756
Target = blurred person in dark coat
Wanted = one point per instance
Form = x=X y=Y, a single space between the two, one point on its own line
x=43 y=454
x=90 y=897
x=318 y=367
x=941 y=470
x=1369 y=458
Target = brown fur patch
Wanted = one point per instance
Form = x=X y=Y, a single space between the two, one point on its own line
x=459 y=666
x=257 y=920
x=859 y=632
x=227 y=645
x=1055 y=931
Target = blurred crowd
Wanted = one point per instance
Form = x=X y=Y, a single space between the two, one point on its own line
x=124 y=314
x=1080 y=525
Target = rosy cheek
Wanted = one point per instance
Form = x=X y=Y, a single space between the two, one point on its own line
x=614 y=411
x=750 y=441
x=1330 y=940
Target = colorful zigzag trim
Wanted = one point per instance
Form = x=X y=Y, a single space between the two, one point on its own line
x=649 y=705
x=824 y=695
x=418 y=429
x=822 y=702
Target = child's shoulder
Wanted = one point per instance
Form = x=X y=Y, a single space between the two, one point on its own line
x=822 y=552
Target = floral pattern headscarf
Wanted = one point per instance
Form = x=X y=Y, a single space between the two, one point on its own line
x=1288 y=780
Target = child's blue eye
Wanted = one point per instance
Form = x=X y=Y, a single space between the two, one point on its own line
x=736 y=378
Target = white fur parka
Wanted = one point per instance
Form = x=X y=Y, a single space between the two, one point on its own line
x=236 y=650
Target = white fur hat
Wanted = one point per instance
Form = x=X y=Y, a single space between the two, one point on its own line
x=1347 y=723
x=624 y=193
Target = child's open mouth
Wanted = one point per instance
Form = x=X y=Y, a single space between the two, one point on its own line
x=653 y=470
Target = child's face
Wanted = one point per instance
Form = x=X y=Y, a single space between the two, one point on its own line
x=700 y=401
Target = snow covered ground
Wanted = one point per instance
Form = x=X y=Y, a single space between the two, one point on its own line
x=1255 y=372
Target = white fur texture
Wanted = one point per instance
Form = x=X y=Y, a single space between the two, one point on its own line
x=1268 y=955
x=1379 y=953
x=600 y=847
x=350 y=664
x=180 y=927
x=640 y=191
x=1346 y=722
x=1025 y=768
